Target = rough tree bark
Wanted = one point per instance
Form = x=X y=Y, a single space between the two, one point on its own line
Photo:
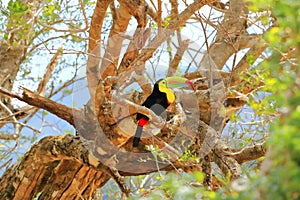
x=73 y=167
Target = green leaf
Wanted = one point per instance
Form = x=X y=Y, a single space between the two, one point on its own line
x=68 y=132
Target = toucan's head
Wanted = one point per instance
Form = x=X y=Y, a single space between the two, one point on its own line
x=165 y=85
x=177 y=82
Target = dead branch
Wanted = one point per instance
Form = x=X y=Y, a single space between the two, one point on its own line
x=34 y=99
x=249 y=153
x=8 y=93
x=54 y=61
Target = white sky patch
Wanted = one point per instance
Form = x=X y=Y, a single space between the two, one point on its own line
x=5 y=2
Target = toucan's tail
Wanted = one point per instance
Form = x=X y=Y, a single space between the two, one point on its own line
x=137 y=136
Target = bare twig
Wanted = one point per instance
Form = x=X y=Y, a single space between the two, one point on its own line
x=54 y=61
x=8 y=93
x=120 y=180
x=21 y=111
x=21 y=126
x=8 y=136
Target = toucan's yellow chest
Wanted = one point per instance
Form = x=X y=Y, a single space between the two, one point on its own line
x=169 y=93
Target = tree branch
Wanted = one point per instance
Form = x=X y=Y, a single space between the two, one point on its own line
x=140 y=35
x=174 y=24
x=34 y=99
x=54 y=61
x=226 y=163
x=183 y=45
x=249 y=153
x=92 y=70
x=121 y=18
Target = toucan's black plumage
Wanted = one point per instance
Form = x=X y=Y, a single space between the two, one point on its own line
x=158 y=101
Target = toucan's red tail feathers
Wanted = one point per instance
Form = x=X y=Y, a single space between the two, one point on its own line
x=143 y=122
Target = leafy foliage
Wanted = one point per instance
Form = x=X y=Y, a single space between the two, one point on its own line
x=179 y=187
x=279 y=176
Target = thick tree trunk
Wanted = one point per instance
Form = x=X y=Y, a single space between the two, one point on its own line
x=54 y=168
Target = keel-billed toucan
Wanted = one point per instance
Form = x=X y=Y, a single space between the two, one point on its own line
x=158 y=101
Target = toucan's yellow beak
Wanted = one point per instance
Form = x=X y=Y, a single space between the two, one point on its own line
x=177 y=82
